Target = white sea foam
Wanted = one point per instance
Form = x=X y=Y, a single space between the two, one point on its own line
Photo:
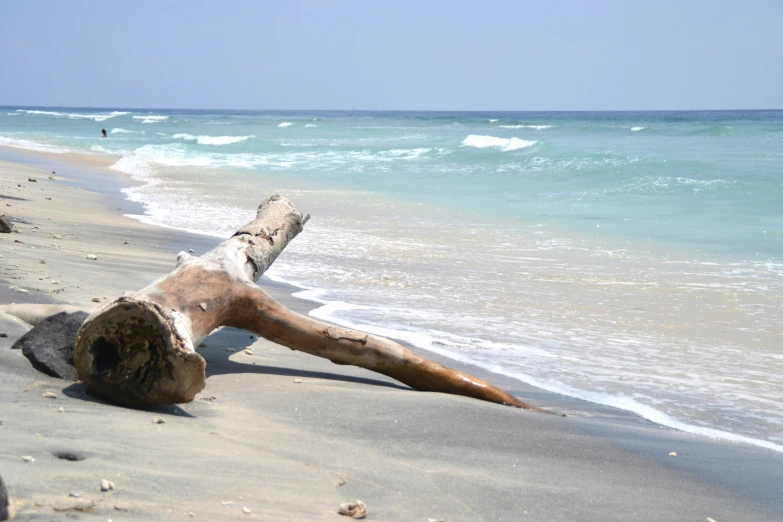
x=33 y=145
x=123 y=131
x=212 y=140
x=534 y=127
x=74 y=115
x=492 y=121
x=504 y=144
x=286 y=124
x=311 y=125
x=637 y=129
x=444 y=344
x=151 y=118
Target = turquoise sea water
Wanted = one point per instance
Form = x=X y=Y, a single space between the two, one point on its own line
x=633 y=259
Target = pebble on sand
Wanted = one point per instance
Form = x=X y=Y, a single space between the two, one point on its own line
x=356 y=509
x=249 y=351
x=158 y=420
x=297 y=381
x=96 y=300
x=92 y=257
x=107 y=485
x=246 y=510
x=673 y=454
x=49 y=395
x=60 y=409
x=28 y=458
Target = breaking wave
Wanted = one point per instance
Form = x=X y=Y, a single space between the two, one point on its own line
x=285 y=124
x=151 y=118
x=535 y=127
x=212 y=140
x=637 y=129
x=504 y=144
x=74 y=115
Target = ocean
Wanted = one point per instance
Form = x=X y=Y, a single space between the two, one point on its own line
x=632 y=259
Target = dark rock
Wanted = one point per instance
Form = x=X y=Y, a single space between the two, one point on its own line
x=5 y=226
x=3 y=501
x=49 y=345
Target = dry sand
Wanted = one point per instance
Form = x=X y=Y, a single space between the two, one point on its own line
x=287 y=450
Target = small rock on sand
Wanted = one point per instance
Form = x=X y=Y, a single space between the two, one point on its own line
x=92 y=257
x=28 y=458
x=356 y=509
x=297 y=381
x=32 y=180
x=107 y=485
x=4 y=515
x=710 y=519
x=96 y=300
x=246 y=510
x=122 y=506
x=249 y=351
x=5 y=226
x=203 y=306
x=49 y=395
x=60 y=410
x=158 y=420
x=673 y=454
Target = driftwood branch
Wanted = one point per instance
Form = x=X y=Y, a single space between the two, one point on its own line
x=140 y=348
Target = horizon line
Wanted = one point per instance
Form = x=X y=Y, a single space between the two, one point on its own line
x=377 y=110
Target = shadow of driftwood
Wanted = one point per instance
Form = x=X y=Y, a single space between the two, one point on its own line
x=218 y=362
x=80 y=392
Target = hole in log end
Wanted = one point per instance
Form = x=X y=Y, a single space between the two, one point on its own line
x=132 y=353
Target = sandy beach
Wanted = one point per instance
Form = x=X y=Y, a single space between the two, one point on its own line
x=280 y=435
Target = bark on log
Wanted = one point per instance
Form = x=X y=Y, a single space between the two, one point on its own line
x=139 y=349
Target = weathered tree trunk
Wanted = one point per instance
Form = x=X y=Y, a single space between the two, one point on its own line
x=139 y=349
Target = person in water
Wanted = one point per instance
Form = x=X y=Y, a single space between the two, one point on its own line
x=103 y=131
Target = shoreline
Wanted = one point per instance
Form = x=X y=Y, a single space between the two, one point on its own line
x=710 y=466
x=96 y=174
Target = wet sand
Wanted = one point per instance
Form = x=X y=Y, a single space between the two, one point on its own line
x=288 y=450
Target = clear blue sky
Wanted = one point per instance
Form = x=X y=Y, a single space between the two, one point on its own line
x=419 y=55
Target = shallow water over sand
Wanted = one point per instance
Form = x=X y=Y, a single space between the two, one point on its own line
x=634 y=260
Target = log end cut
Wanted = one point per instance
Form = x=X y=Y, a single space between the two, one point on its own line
x=136 y=353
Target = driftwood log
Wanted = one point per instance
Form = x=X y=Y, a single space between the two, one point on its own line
x=139 y=349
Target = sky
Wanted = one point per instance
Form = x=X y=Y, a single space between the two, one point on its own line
x=399 y=55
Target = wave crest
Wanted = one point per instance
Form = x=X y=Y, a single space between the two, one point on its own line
x=504 y=144
x=535 y=127
x=74 y=115
x=151 y=118
x=286 y=124
x=211 y=140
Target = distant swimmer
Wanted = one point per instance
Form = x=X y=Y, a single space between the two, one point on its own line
x=104 y=133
